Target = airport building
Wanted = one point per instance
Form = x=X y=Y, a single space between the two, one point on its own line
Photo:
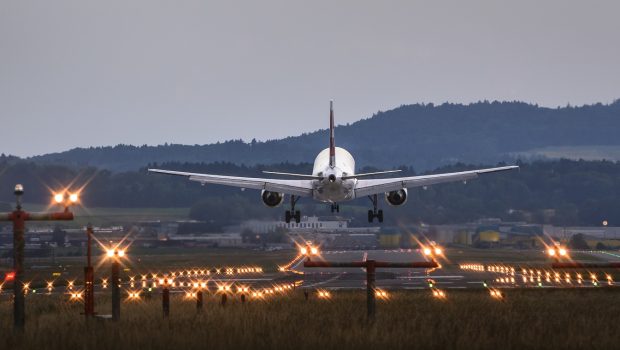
x=330 y=224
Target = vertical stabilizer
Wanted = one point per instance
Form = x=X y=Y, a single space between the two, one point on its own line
x=332 y=144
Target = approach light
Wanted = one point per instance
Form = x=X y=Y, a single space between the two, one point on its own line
x=59 y=198
x=115 y=252
x=19 y=190
x=440 y=294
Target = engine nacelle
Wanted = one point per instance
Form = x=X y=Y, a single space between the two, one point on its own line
x=395 y=198
x=272 y=199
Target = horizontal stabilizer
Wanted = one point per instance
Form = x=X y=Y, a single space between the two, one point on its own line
x=293 y=174
x=355 y=176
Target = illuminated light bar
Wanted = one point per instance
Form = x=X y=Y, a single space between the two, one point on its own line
x=439 y=294
x=323 y=294
x=495 y=293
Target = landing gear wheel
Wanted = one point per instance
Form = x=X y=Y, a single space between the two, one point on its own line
x=335 y=208
x=287 y=216
x=374 y=213
x=293 y=214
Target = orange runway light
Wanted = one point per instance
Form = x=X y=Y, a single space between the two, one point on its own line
x=323 y=294
x=439 y=294
x=381 y=294
x=495 y=293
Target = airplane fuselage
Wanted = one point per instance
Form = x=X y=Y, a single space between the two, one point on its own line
x=331 y=188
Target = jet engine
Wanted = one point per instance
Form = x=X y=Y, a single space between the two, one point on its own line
x=398 y=197
x=272 y=199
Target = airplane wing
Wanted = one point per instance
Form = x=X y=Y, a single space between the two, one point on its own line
x=295 y=187
x=370 y=187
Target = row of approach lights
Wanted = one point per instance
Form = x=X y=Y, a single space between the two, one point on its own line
x=66 y=198
x=311 y=250
x=221 y=289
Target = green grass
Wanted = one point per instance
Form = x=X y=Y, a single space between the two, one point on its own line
x=524 y=257
x=113 y=216
x=526 y=319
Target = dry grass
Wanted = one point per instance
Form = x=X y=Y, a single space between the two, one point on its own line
x=468 y=319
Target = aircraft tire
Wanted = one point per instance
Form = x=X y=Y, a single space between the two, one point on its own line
x=287 y=216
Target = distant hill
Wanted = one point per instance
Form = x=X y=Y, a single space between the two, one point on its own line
x=424 y=136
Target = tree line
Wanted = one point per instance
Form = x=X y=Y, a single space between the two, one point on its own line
x=562 y=192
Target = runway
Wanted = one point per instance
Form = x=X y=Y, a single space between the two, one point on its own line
x=451 y=277
x=388 y=278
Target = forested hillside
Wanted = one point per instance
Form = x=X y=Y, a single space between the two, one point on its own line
x=423 y=136
x=559 y=192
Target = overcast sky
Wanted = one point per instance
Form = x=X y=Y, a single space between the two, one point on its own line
x=81 y=73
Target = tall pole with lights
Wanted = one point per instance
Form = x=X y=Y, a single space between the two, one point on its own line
x=89 y=277
x=116 y=254
x=19 y=218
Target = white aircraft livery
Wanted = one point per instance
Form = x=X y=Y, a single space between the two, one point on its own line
x=333 y=180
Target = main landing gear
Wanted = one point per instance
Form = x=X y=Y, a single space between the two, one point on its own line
x=292 y=214
x=374 y=213
x=335 y=208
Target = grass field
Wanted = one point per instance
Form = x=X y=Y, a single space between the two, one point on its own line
x=113 y=216
x=525 y=257
x=467 y=319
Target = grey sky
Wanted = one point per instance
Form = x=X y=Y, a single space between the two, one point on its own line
x=81 y=73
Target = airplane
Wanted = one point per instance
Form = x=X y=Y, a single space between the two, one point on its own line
x=333 y=180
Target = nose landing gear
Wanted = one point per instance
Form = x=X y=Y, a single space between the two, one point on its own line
x=335 y=208
x=374 y=213
x=292 y=214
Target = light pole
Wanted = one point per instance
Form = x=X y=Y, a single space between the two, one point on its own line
x=19 y=218
x=165 y=297
x=116 y=254
x=89 y=276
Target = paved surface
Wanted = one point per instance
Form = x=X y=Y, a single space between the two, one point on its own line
x=388 y=278
x=452 y=278
x=608 y=256
x=355 y=278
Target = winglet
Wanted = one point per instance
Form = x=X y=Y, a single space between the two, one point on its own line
x=332 y=143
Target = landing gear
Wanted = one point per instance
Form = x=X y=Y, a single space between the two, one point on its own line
x=374 y=213
x=292 y=214
x=335 y=208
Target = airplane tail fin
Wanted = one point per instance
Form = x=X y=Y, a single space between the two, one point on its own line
x=332 y=144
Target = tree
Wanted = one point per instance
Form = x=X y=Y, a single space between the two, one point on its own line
x=601 y=246
x=578 y=241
